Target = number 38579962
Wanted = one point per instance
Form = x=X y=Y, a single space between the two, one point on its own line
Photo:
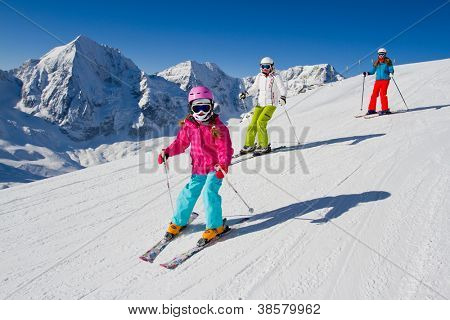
x=288 y=308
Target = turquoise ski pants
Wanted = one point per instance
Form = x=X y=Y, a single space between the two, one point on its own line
x=211 y=199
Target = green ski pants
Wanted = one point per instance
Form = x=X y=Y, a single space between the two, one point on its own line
x=258 y=126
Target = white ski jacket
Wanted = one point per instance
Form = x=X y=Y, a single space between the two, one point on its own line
x=268 y=89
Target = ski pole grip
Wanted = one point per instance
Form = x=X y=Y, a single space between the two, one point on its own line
x=217 y=167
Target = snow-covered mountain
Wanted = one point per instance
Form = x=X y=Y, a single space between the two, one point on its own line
x=30 y=147
x=302 y=78
x=369 y=221
x=92 y=90
x=299 y=79
x=226 y=89
x=89 y=90
x=80 y=104
x=9 y=89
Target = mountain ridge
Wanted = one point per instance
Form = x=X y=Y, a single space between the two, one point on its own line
x=97 y=105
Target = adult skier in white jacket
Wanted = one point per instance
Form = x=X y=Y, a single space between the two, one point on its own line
x=270 y=91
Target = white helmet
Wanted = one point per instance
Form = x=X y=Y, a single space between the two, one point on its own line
x=266 y=60
x=266 y=65
x=382 y=50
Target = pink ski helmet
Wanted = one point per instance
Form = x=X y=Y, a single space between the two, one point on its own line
x=200 y=93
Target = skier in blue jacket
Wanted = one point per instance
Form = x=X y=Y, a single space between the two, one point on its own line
x=383 y=69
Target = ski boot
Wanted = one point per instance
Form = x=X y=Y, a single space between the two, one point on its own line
x=172 y=231
x=385 y=112
x=247 y=149
x=210 y=234
x=260 y=150
x=371 y=112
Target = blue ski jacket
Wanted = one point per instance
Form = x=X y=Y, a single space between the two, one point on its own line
x=382 y=69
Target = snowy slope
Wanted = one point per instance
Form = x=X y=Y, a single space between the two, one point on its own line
x=370 y=220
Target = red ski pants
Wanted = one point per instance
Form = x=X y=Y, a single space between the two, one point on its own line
x=380 y=88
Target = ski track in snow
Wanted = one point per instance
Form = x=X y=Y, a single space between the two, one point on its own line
x=369 y=222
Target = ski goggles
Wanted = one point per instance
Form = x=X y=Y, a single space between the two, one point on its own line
x=382 y=54
x=201 y=108
x=266 y=66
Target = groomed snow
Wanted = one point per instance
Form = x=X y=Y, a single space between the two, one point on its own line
x=369 y=221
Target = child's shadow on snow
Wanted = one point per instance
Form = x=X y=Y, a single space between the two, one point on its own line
x=338 y=206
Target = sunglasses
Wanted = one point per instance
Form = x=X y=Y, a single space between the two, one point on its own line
x=201 y=107
x=266 y=66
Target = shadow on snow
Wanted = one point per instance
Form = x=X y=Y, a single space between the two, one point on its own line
x=425 y=108
x=337 y=205
x=354 y=140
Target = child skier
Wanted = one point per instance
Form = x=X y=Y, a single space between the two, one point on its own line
x=383 y=68
x=270 y=89
x=211 y=154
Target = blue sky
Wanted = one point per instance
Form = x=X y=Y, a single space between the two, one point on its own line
x=235 y=35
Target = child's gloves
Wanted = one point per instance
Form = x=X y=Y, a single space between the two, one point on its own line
x=221 y=170
x=163 y=156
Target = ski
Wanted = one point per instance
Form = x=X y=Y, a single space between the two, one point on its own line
x=367 y=116
x=383 y=115
x=179 y=259
x=240 y=158
x=248 y=156
x=273 y=150
x=238 y=155
x=370 y=116
x=152 y=253
x=378 y=114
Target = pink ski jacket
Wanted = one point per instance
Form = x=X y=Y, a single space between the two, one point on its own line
x=206 y=149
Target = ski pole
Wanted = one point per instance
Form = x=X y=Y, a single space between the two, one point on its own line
x=166 y=170
x=246 y=114
x=293 y=128
x=243 y=100
x=250 y=209
x=392 y=77
x=245 y=106
x=362 y=95
x=245 y=109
